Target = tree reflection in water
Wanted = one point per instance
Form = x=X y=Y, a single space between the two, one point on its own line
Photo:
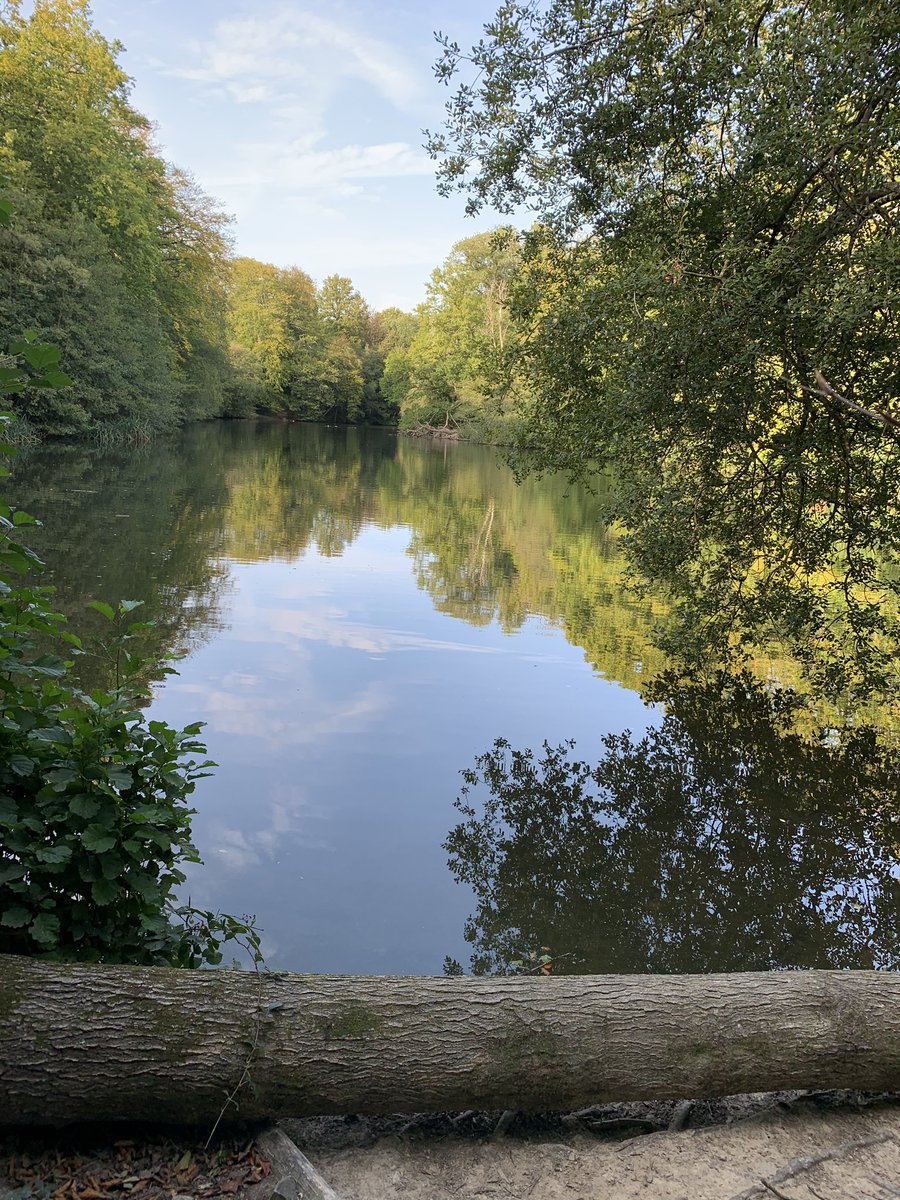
x=725 y=839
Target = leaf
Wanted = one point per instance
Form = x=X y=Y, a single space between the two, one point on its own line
x=103 y=608
x=21 y=764
x=15 y=917
x=61 y=778
x=120 y=777
x=54 y=854
x=128 y=606
x=97 y=841
x=52 y=733
x=84 y=806
x=45 y=929
x=104 y=891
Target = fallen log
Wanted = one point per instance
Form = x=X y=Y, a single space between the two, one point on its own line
x=128 y=1043
x=292 y=1175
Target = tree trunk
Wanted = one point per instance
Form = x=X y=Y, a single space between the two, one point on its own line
x=106 y=1043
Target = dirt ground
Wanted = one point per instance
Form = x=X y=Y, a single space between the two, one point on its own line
x=788 y=1145
x=794 y=1147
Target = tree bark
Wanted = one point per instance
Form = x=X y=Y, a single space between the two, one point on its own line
x=129 y=1043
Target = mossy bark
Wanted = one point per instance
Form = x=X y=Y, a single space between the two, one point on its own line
x=107 y=1043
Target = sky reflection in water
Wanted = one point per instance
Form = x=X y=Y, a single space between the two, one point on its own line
x=364 y=616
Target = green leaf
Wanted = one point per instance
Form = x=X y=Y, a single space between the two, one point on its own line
x=53 y=733
x=45 y=929
x=15 y=917
x=120 y=777
x=84 y=806
x=54 y=854
x=61 y=778
x=103 y=608
x=104 y=891
x=21 y=764
x=97 y=841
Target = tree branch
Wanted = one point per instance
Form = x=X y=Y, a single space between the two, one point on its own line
x=825 y=389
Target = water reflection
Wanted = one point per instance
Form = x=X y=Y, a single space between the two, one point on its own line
x=725 y=839
x=364 y=614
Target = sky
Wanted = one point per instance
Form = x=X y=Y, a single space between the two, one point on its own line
x=305 y=121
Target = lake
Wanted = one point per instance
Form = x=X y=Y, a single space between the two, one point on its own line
x=361 y=616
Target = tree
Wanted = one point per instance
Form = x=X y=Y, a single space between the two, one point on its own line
x=711 y=299
x=58 y=278
x=94 y=798
x=453 y=366
x=729 y=838
x=142 y=247
x=345 y=312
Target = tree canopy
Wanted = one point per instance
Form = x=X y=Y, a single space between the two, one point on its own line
x=123 y=262
x=452 y=367
x=710 y=295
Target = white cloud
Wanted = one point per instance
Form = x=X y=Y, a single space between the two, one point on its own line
x=287 y=52
x=297 y=168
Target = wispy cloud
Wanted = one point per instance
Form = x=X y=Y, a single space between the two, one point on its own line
x=293 y=67
x=331 y=627
x=297 y=167
x=280 y=52
x=237 y=710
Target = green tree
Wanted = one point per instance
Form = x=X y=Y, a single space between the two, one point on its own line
x=711 y=299
x=310 y=363
x=345 y=312
x=102 y=200
x=58 y=278
x=452 y=369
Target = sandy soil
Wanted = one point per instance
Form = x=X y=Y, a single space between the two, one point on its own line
x=799 y=1149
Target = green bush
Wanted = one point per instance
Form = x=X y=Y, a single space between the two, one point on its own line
x=94 y=819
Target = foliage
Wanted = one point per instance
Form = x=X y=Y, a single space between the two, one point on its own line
x=115 y=257
x=93 y=798
x=120 y=260
x=294 y=357
x=710 y=298
x=723 y=839
x=452 y=369
x=58 y=278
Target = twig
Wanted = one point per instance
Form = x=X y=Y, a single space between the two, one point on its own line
x=463 y=1116
x=231 y=1098
x=825 y=389
x=295 y=1176
x=828 y=390
x=775 y=1191
x=798 y=1165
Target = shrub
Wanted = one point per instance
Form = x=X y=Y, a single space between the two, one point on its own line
x=94 y=819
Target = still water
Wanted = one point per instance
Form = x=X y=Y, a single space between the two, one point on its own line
x=363 y=615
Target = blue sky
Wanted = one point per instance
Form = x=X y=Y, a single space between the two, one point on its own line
x=305 y=120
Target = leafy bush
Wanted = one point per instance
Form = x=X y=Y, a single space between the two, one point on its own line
x=94 y=821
